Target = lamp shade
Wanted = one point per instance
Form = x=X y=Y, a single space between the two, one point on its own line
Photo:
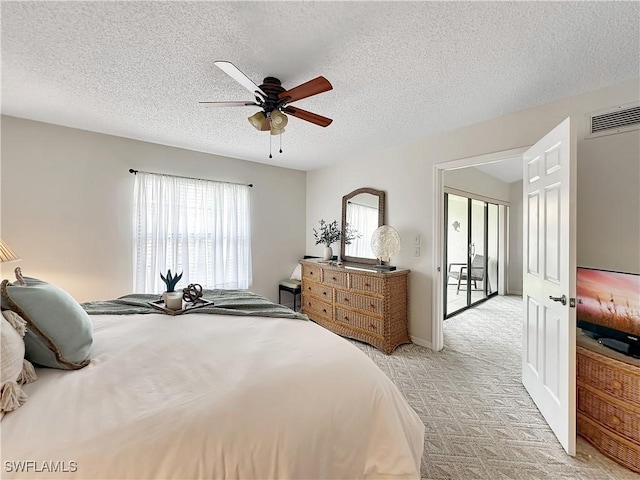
x=6 y=254
x=257 y=120
x=278 y=120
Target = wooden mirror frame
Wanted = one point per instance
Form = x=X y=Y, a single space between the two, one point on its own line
x=381 y=221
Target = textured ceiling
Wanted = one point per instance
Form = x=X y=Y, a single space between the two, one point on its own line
x=400 y=71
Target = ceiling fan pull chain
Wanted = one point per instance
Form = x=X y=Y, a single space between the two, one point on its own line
x=270 y=147
x=280 y=142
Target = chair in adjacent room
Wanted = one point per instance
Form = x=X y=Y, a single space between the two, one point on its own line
x=460 y=275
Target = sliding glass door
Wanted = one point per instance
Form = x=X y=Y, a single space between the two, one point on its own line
x=471 y=252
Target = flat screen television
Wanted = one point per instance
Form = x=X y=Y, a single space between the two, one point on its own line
x=608 y=308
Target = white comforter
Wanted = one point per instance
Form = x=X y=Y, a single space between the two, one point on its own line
x=210 y=396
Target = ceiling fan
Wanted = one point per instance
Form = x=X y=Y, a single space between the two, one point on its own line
x=274 y=100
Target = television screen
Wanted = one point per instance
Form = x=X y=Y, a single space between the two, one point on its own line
x=608 y=299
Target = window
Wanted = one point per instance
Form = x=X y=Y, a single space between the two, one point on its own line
x=198 y=227
x=364 y=220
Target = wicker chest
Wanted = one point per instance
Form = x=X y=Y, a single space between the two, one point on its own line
x=358 y=303
x=608 y=399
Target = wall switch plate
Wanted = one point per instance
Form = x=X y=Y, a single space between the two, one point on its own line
x=416 y=250
x=416 y=240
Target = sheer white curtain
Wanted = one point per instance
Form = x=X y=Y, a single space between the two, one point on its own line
x=198 y=227
x=365 y=221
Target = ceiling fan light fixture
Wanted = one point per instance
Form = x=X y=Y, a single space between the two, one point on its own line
x=257 y=120
x=275 y=131
x=278 y=120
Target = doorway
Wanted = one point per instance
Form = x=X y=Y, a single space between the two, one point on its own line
x=549 y=269
x=472 y=251
x=440 y=260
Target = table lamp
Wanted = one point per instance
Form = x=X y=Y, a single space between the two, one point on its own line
x=6 y=254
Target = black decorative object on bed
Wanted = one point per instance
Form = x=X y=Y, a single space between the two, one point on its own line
x=225 y=302
x=192 y=292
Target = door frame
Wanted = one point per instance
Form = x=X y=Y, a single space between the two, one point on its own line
x=437 y=334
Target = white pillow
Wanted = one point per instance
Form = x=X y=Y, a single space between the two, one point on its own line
x=297 y=273
x=14 y=369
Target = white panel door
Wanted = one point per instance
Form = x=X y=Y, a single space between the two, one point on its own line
x=549 y=337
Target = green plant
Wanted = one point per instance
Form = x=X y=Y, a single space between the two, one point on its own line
x=171 y=281
x=329 y=233
x=350 y=234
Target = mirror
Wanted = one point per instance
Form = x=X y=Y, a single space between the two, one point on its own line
x=362 y=212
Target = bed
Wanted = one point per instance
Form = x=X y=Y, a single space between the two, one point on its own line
x=213 y=396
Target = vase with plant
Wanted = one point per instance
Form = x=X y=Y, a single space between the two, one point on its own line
x=327 y=234
x=172 y=299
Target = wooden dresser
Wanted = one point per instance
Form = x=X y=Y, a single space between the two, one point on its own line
x=608 y=400
x=358 y=302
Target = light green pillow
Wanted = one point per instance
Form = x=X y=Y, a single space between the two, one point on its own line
x=59 y=332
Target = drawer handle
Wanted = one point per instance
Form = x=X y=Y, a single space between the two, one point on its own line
x=366 y=285
x=309 y=288
x=310 y=273
x=324 y=293
x=324 y=310
x=615 y=420
x=346 y=300
x=372 y=326
x=372 y=306
x=346 y=318
x=334 y=279
x=616 y=385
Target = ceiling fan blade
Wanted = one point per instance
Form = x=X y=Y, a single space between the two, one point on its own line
x=235 y=73
x=308 y=116
x=228 y=104
x=312 y=87
x=266 y=126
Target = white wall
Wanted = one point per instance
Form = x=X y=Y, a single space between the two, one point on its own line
x=472 y=180
x=608 y=196
x=514 y=285
x=67 y=206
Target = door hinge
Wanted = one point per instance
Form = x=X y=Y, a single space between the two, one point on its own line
x=439 y=269
x=572 y=302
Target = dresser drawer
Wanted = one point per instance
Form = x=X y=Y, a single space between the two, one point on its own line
x=312 y=272
x=609 y=443
x=319 y=290
x=619 y=419
x=366 y=283
x=372 y=305
x=335 y=278
x=363 y=322
x=605 y=375
x=313 y=306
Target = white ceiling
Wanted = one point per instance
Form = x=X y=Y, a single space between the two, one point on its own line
x=400 y=71
x=508 y=171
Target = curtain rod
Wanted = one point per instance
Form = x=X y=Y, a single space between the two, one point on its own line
x=131 y=170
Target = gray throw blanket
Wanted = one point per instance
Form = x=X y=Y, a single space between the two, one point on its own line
x=225 y=302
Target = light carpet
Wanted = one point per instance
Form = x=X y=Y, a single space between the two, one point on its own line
x=480 y=422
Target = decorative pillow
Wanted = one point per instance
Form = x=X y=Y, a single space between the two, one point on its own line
x=14 y=369
x=59 y=331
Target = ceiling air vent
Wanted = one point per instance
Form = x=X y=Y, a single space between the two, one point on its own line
x=613 y=120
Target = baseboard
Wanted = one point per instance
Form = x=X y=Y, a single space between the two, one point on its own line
x=514 y=292
x=421 y=342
